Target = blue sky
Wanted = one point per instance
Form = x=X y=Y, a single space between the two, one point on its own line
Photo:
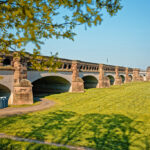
x=124 y=39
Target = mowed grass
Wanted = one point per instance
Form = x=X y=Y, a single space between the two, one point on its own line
x=116 y=118
x=7 y=144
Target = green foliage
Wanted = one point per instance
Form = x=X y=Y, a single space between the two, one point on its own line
x=40 y=63
x=116 y=118
x=23 y=21
x=7 y=144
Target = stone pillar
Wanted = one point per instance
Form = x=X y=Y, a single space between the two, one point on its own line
x=20 y=70
x=23 y=93
x=17 y=72
x=77 y=82
x=136 y=74
x=24 y=72
x=103 y=81
x=118 y=80
x=22 y=89
x=148 y=74
x=127 y=79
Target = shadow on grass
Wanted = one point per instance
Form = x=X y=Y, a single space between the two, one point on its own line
x=102 y=132
x=7 y=144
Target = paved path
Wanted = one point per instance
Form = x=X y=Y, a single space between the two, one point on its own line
x=10 y=111
x=2 y=135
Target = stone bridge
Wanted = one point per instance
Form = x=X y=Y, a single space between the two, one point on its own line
x=17 y=79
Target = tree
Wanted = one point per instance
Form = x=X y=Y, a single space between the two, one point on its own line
x=24 y=21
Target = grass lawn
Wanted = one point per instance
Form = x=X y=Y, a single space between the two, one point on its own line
x=116 y=118
x=7 y=144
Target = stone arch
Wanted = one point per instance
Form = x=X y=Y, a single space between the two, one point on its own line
x=50 y=85
x=6 y=62
x=4 y=91
x=112 y=79
x=90 y=82
x=36 y=75
x=141 y=77
x=130 y=77
x=69 y=66
x=65 y=66
x=122 y=78
x=144 y=77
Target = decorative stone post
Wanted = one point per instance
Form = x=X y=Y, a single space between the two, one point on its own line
x=148 y=74
x=103 y=81
x=22 y=93
x=127 y=79
x=77 y=82
x=17 y=72
x=118 y=80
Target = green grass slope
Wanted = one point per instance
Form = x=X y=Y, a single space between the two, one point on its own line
x=116 y=118
x=7 y=144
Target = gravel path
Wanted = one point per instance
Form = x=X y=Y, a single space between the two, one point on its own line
x=10 y=111
x=2 y=135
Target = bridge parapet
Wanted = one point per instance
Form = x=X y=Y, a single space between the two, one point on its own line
x=7 y=63
x=88 y=67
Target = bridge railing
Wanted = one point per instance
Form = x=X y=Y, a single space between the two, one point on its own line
x=88 y=67
x=65 y=66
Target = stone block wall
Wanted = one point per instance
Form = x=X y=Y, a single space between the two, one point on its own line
x=23 y=93
x=77 y=82
x=136 y=75
x=148 y=74
x=118 y=80
x=104 y=82
x=22 y=88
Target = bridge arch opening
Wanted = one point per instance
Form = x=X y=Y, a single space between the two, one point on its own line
x=112 y=79
x=142 y=77
x=130 y=77
x=90 y=82
x=29 y=65
x=122 y=78
x=6 y=62
x=4 y=91
x=50 y=85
